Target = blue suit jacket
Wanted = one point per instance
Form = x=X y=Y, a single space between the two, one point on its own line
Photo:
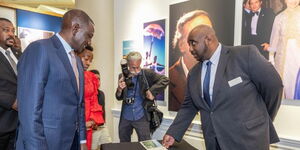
x=51 y=109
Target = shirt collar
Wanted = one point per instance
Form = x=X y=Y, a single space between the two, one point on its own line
x=185 y=69
x=3 y=50
x=67 y=47
x=214 y=59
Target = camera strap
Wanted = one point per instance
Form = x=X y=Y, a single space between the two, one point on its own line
x=135 y=86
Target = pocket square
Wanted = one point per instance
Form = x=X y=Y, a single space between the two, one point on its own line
x=235 y=81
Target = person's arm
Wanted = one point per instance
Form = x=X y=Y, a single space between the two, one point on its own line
x=33 y=70
x=275 y=35
x=159 y=82
x=182 y=121
x=120 y=89
x=7 y=100
x=266 y=79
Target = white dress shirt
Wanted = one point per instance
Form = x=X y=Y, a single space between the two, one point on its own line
x=68 y=49
x=254 y=23
x=215 y=61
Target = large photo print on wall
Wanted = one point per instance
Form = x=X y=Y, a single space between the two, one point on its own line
x=274 y=28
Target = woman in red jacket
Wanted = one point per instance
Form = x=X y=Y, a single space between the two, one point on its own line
x=93 y=111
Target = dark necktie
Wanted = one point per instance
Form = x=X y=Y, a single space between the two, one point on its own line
x=206 y=84
x=11 y=61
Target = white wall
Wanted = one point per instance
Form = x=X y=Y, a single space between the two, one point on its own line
x=8 y=13
x=101 y=12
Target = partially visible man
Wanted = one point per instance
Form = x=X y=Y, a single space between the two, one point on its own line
x=178 y=72
x=236 y=90
x=101 y=133
x=146 y=85
x=8 y=86
x=246 y=20
x=259 y=27
x=50 y=88
x=17 y=45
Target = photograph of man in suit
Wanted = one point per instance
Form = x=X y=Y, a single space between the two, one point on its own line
x=259 y=27
x=178 y=71
x=50 y=88
x=8 y=85
x=237 y=91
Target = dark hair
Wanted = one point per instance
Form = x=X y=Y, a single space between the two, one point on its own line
x=75 y=14
x=89 y=47
x=95 y=71
x=244 y=2
x=4 y=19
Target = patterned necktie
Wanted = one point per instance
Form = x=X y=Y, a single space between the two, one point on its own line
x=11 y=61
x=206 y=84
x=74 y=66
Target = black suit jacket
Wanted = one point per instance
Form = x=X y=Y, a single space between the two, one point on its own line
x=246 y=97
x=8 y=95
x=263 y=30
x=177 y=86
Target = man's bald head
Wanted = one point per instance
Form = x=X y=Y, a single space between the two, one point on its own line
x=203 y=42
x=75 y=16
x=77 y=29
x=204 y=30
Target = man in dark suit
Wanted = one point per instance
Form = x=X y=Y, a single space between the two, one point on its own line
x=178 y=71
x=8 y=85
x=259 y=27
x=50 y=88
x=237 y=92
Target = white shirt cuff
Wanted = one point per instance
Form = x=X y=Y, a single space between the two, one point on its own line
x=83 y=142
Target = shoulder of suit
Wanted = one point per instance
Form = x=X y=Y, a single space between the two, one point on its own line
x=239 y=50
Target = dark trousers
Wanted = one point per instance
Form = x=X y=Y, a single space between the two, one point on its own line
x=75 y=144
x=7 y=141
x=141 y=126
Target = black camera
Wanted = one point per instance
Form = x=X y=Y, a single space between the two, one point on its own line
x=126 y=74
x=129 y=100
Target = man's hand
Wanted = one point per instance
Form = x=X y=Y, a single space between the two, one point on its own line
x=168 y=141
x=266 y=46
x=15 y=105
x=121 y=85
x=149 y=95
x=83 y=146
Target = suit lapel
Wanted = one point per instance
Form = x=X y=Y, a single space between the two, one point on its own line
x=219 y=74
x=6 y=63
x=63 y=56
x=260 y=20
x=197 y=85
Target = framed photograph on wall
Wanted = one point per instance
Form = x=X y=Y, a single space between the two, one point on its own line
x=154 y=48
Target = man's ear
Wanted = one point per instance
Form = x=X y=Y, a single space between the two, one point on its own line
x=207 y=39
x=75 y=28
